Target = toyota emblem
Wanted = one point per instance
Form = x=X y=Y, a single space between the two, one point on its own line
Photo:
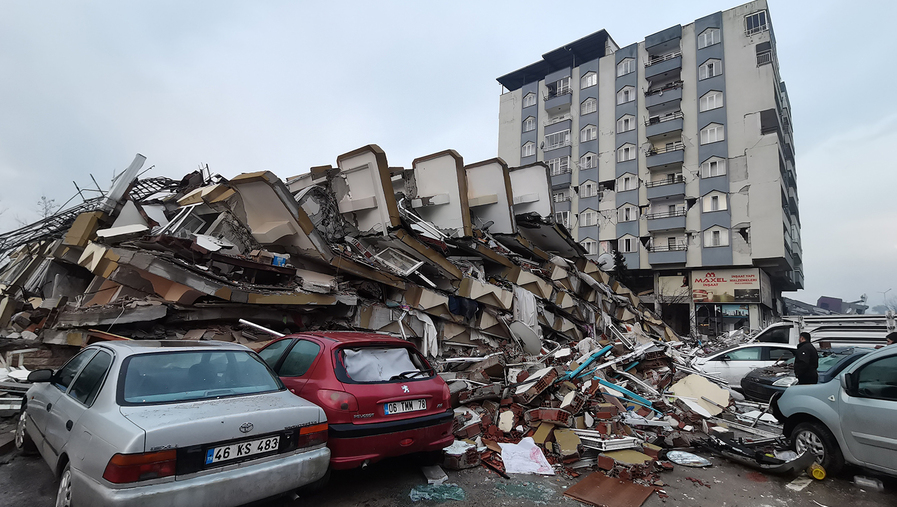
x=405 y=389
x=246 y=427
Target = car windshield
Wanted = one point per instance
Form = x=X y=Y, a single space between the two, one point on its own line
x=382 y=364
x=193 y=375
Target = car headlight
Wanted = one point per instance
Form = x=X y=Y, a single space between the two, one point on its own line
x=785 y=382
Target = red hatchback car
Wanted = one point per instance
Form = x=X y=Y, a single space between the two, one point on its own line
x=381 y=396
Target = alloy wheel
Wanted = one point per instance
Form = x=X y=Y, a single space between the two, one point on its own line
x=20 y=431
x=64 y=493
x=809 y=441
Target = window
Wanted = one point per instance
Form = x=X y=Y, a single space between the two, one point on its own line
x=588 y=189
x=561 y=196
x=745 y=354
x=878 y=379
x=627 y=244
x=67 y=373
x=557 y=140
x=588 y=218
x=711 y=100
x=710 y=68
x=559 y=87
x=588 y=161
x=590 y=245
x=755 y=23
x=780 y=354
x=713 y=167
x=712 y=133
x=625 y=66
x=89 y=381
x=588 y=106
x=626 y=94
x=529 y=149
x=300 y=359
x=708 y=37
x=714 y=201
x=627 y=214
x=626 y=123
x=559 y=165
x=716 y=236
x=589 y=79
x=588 y=133
x=529 y=99
x=271 y=354
x=563 y=218
x=529 y=124
x=626 y=152
x=627 y=182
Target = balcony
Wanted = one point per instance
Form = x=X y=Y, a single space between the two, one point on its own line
x=792 y=197
x=557 y=103
x=667 y=125
x=666 y=221
x=796 y=251
x=561 y=179
x=669 y=156
x=666 y=188
x=667 y=254
x=663 y=66
x=664 y=96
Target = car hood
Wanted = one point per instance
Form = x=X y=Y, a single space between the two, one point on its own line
x=772 y=372
x=174 y=425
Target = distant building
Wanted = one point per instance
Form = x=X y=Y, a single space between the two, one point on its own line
x=837 y=305
x=678 y=152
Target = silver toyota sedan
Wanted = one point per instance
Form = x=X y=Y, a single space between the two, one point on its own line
x=171 y=423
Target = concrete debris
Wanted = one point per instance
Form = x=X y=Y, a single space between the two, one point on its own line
x=537 y=343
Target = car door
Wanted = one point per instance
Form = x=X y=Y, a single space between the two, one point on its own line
x=62 y=426
x=739 y=362
x=867 y=417
x=45 y=397
x=296 y=364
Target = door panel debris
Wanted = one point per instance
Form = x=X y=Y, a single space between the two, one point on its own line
x=540 y=347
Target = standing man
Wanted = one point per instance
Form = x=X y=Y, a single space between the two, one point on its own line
x=805 y=361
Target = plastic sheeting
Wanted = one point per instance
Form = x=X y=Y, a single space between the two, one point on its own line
x=525 y=458
x=377 y=364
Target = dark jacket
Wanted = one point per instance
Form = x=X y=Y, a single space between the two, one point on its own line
x=805 y=362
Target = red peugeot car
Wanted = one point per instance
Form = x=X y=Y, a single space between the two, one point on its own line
x=381 y=396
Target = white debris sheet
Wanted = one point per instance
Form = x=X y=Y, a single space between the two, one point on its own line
x=525 y=458
x=377 y=364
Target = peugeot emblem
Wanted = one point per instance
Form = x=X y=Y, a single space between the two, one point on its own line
x=246 y=427
x=405 y=389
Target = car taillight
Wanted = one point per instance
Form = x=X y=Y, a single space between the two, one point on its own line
x=312 y=435
x=123 y=468
x=337 y=400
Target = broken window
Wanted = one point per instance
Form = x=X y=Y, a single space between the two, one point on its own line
x=381 y=364
x=184 y=224
x=398 y=261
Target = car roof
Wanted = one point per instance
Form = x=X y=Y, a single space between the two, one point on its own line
x=130 y=347
x=351 y=337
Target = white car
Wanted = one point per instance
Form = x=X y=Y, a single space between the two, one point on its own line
x=735 y=362
x=171 y=424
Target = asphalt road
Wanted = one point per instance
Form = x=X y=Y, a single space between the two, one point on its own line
x=28 y=481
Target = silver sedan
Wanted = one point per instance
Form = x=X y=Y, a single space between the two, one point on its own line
x=171 y=423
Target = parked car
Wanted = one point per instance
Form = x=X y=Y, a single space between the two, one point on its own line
x=849 y=418
x=761 y=384
x=381 y=396
x=171 y=423
x=735 y=362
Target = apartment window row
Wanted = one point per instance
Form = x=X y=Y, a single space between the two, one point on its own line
x=713 y=167
x=588 y=218
x=590 y=246
x=588 y=79
x=528 y=150
x=626 y=152
x=529 y=124
x=588 y=161
x=716 y=236
x=588 y=189
x=626 y=94
x=710 y=68
x=626 y=123
x=714 y=201
x=560 y=165
x=588 y=133
x=626 y=66
x=557 y=140
x=711 y=100
x=588 y=106
x=712 y=133
x=755 y=23
x=708 y=37
x=529 y=99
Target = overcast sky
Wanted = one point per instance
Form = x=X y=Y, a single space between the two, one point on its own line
x=283 y=86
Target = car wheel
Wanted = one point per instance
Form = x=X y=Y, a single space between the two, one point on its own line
x=64 y=493
x=816 y=438
x=317 y=486
x=23 y=442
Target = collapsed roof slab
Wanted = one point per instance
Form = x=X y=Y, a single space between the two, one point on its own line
x=490 y=196
x=437 y=188
x=275 y=218
x=531 y=185
x=363 y=190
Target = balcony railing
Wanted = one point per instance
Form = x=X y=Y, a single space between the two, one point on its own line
x=563 y=91
x=764 y=58
x=660 y=183
x=666 y=214
x=669 y=86
x=678 y=247
x=662 y=58
x=666 y=149
x=662 y=118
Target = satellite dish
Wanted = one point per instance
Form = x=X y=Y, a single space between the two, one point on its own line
x=606 y=262
x=528 y=338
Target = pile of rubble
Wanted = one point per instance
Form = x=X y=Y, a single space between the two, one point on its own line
x=467 y=261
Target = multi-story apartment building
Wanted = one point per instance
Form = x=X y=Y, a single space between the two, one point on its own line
x=678 y=152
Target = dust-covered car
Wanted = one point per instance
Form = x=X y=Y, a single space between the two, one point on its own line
x=761 y=384
x=171 y=423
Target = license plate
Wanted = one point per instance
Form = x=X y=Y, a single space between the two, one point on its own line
x=398 y=407
x=241 y=450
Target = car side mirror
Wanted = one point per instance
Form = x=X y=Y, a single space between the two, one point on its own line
x=40 y=376
x=848 y=382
